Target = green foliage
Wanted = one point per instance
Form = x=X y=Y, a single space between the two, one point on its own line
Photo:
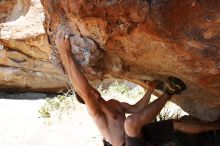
x=136 y=93
x=57 y=105
x=167 y=114
x=44 y=112
x=119 y=87
x=123 y=90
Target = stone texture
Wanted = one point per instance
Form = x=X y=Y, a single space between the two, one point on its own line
x=145 y=40
x=25 y=52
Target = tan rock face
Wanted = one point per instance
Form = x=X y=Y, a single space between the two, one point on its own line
x=144 y=40
x=25 y=52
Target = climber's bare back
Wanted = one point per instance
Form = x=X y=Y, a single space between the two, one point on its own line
x=110 y=122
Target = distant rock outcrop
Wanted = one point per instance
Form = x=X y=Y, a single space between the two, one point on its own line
x=24 y=49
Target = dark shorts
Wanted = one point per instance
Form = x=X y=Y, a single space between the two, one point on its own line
x=154 y=133
x=134 y=141
x=162 y=132
x=209 y=138
x=159 y=132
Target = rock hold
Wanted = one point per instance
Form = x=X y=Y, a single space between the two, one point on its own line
x=84 y=50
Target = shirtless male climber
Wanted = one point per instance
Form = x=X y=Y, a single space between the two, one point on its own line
x=109 y=116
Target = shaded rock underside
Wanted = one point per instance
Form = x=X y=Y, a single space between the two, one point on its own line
x=142 y=40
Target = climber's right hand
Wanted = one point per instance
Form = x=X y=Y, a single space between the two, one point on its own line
x=63 y=44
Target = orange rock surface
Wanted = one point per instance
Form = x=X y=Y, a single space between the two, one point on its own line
x=144 y=40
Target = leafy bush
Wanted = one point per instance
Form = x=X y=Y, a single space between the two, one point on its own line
x=119 y=87
x=57 y=105
x=169 y=113
x=122 y=90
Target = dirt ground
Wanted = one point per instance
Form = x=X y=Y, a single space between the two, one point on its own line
x=20 y=125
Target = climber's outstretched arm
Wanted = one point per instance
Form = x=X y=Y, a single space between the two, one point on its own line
x=79 y=81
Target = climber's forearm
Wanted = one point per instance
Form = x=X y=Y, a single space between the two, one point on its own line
x=140 y=105
x=79 y=81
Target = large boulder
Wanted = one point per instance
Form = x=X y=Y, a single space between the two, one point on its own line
x=24 y=49
x=141 y=40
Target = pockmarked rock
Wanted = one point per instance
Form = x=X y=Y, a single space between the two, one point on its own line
x=146 y=40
